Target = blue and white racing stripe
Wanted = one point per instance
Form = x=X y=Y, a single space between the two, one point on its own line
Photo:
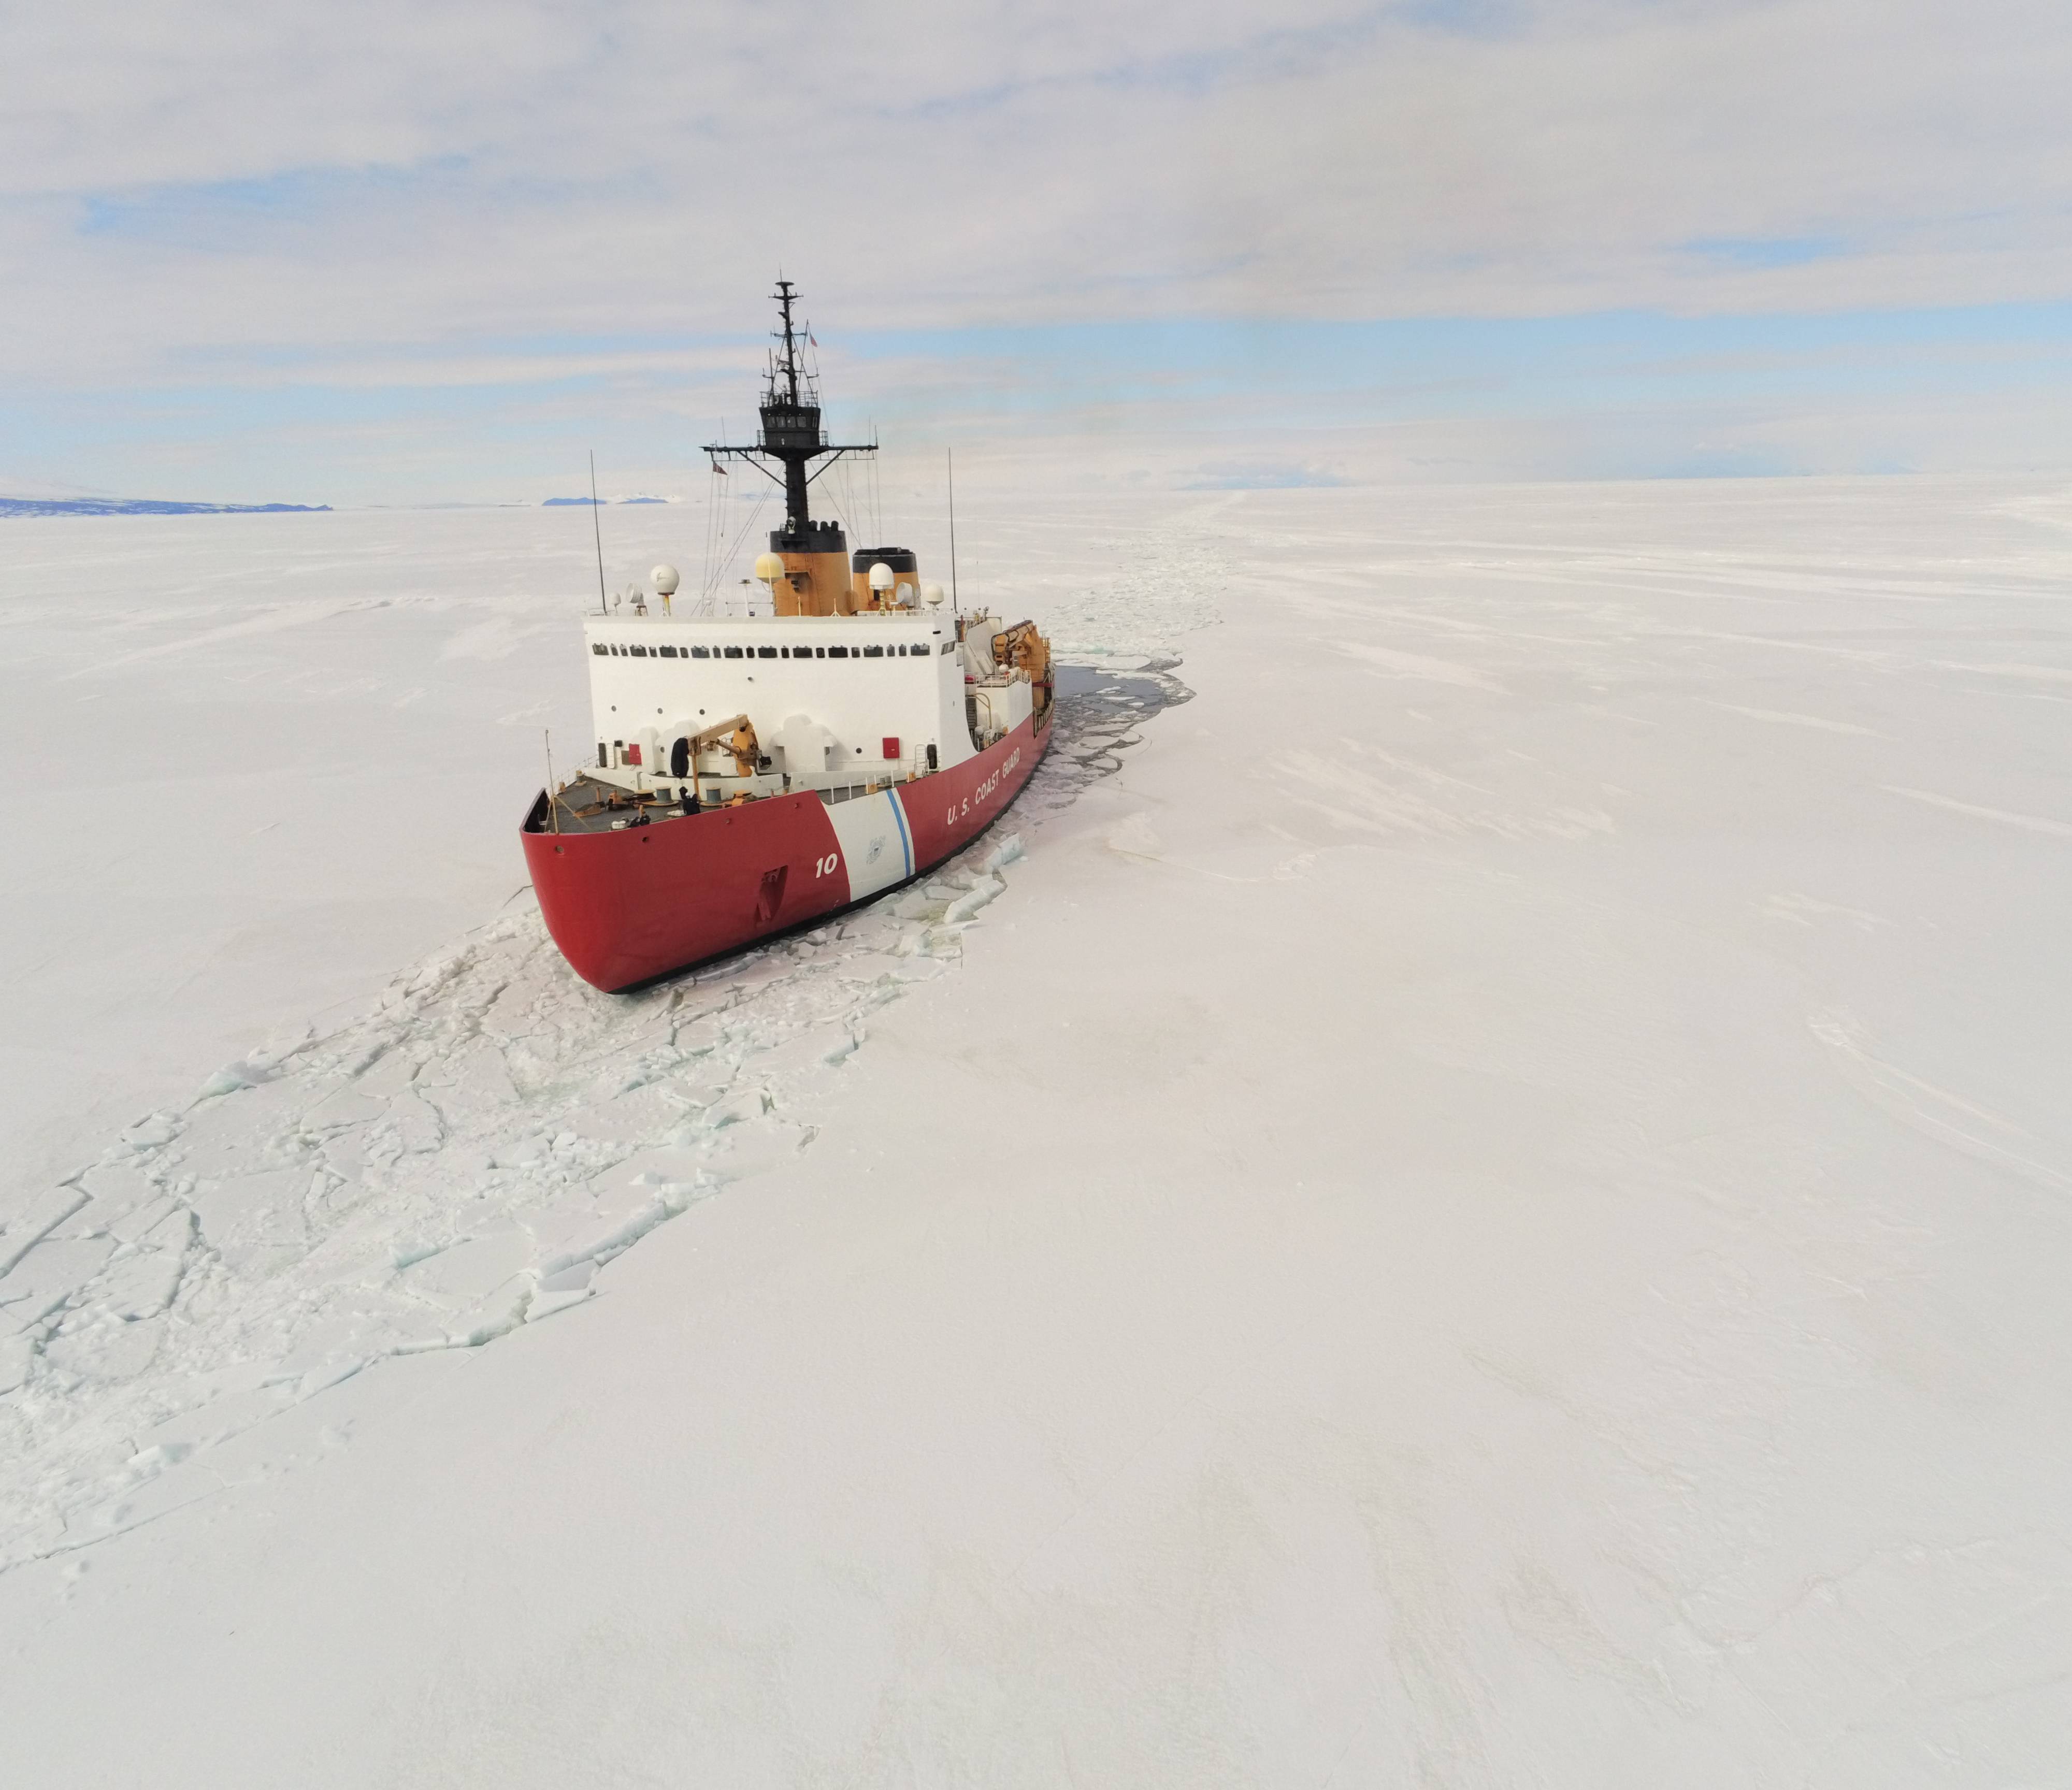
x=906 y=832
x=877 y=845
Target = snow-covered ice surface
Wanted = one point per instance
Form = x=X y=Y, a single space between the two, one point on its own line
x=1490 y=1207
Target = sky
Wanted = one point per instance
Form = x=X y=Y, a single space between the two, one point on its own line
x=421 y=252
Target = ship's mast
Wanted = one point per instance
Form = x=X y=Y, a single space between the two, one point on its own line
x=784 y=295
x=792 y=436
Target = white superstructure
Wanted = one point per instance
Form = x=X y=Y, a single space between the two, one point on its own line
x=834 y=701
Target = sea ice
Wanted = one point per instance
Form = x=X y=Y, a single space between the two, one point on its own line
x=1497 y=1215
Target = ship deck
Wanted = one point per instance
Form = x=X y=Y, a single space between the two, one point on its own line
x=589 y=805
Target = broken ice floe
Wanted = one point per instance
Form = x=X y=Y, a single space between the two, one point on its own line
x=972 y=899
x=463 y=1160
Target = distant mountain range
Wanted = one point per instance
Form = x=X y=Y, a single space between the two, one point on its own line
x=144 y=506
x=159 y=506
x=549 y=503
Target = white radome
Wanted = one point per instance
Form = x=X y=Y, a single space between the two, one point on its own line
x=932 y=593
x=768 y=566
x=665 y=580
x=880 y=575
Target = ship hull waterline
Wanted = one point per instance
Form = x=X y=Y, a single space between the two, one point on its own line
x=629 y=906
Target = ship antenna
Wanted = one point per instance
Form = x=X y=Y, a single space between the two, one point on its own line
x=553 y=815
x=791 y=362
x=599 y=533
x=950 y=455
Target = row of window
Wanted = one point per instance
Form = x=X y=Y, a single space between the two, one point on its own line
x=602 y=650
x=621 y=753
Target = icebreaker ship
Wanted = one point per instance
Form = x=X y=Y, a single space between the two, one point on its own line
x=754 y=773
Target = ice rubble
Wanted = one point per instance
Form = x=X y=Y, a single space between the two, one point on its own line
x=458 y=1162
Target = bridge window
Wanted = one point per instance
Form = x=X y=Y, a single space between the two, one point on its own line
x=732 y=652
x=637 y=652
x=666 y=652
x=600 y=650
x=702 y=652
x=873 y=652
x=837 y=652
x=765 y=652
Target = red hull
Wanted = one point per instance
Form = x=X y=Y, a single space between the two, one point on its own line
x=626 y=907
